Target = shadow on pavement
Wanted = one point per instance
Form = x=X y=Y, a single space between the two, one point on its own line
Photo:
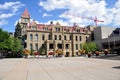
x=109 y=57
x=116 y=67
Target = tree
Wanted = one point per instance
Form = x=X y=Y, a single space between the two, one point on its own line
x=9 y=44
x=16 y=45
x=90 y=47
x=31 y=52
x=41 y=51
x=93 y=46
x=4 y=36
x=18 y=30
x=86 y=47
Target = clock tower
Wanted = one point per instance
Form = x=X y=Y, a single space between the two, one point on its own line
x=25 y=17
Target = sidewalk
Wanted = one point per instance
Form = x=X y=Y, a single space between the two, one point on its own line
x=71 y=68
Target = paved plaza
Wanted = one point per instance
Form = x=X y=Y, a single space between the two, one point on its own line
x=70 y=68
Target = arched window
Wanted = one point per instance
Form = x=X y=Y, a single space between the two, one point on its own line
x=76 y=46
x=80 y=38
x=43 y=37
x=31 y=37
x=49 y=37
x=31 y=46
x=55 y=37
x=64 y=37
x=36 y=46
x=59 y=37
x=76 y=38
x=36 y=37
x=70 y=37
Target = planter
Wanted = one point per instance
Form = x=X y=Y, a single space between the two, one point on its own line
x=89 y=55
x=51 y=53
x=26 y=55
x=105 y=52
x=97 y=53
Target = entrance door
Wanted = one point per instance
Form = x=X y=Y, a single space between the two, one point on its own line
x=67 y=54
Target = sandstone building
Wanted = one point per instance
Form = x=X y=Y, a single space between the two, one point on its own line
x=51 y=37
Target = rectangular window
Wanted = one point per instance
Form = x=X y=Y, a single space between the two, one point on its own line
x=46 y=29
x=51 y=46
x=31 y=46
x=76 y=38
x=36 y=46
x=59 y=46
x=80 y=38
x=36 y=37
x=31 y=37
x=49 y=37
x=65 y=37
x=43 y=37
x=78 y=30
x=55 y=37
x=70 y=37
x=81 y=47
x=43 y=46
x=76 y=46
x=67 y=46
x=57 y=29
x=59 y=37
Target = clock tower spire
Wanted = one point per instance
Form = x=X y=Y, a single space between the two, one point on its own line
x=25 y=17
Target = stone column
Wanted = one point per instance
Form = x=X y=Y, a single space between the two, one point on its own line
x=47 y=47
x=70 y=49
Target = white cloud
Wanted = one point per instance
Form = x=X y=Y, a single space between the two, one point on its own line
x=34 y=20
x=3 y=22
x=86 y=8
x=63 y=23
x=116 y=13
x=3 y=16
x=12 y=7
x=52 y=4
x=17 y=22
x=7 y=5
x=46 y=15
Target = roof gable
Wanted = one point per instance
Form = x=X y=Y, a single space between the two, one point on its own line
x=26 y=14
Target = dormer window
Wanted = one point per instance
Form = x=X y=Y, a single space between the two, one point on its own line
x=57 y=29
x=34 y=28
x=78 y=30
x=67 y=30
x=46 y=29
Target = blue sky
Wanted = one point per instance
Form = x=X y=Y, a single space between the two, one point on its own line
x=44 y=11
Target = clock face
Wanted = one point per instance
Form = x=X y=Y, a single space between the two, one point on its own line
x=25 y=20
